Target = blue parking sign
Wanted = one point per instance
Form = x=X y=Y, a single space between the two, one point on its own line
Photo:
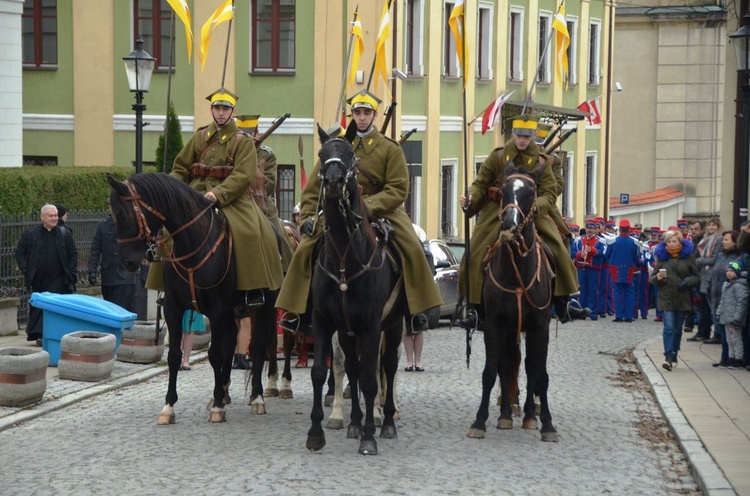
x=625 y=198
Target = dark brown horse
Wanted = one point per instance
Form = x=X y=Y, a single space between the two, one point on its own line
x=517 y=293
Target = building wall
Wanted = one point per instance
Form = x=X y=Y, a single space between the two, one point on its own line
x=10 y=80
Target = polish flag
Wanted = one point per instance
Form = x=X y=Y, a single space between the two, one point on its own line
x=592 y=108
x=491 y=114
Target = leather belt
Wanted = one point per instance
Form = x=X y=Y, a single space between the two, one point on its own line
x=216 y=171
x=369 y=190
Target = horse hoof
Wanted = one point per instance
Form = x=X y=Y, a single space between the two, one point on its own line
x=389 y=432
x=258 y=408
x=475 y=433
x=354 y=432
x=165 y=419
x=270 y=393
x=315 y=443
x=286 y=394
x=335 y=424
x=516 y=410
x=369 y=447
x=505 y=423
x=530 y=424
x=328 y=400
x=549 y=437
x=218 y=415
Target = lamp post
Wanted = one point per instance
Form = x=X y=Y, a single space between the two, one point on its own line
x=741 y=40
x=139 y=66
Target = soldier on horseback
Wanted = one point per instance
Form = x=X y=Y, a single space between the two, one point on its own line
x=384 y=183
x=484 y=200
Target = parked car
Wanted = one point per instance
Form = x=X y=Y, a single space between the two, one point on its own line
x=446 y=277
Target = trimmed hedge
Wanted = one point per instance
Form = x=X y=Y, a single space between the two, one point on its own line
x=82 y=189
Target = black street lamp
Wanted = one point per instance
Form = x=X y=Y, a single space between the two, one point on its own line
x=741 y=40
x=139 y=66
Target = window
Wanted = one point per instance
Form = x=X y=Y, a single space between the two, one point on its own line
x=273 y=39
x=413 y=37
x=39 y=160
x=152 y=18
x=515 y=45
x=285 y=191
x=591 y=183
x=545 y=26
x=484 y=41
x=567 y=192
x=594 y=30
x=573 y=50
x=39 y=32
x=448 y=198
x=450 y=56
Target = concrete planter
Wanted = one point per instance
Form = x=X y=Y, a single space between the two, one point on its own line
x=202 y=339
x=23 y=375
x=8 y=316
x=87 y=356
x=138 y=344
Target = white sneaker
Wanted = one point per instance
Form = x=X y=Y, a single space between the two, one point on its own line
x=667 y=365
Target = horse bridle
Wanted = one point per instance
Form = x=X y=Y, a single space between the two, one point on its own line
x=155 y=242
x=525 y=218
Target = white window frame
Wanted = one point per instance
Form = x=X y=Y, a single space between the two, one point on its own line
x=416 y=194
x=593 y=180
x=515 y=51
x=454 y=69
x=573 y=57
x=569 y=183
x=487 y=42
x=453 y=212
x=418 y=48
x=545 y=18
x=594 y=65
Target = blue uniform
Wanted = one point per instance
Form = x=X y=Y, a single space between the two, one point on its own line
x=588 y=255
x=624 y=260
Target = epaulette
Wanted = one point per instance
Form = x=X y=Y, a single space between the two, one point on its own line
x=267 y=149
x=202 y=128
x=391 y=140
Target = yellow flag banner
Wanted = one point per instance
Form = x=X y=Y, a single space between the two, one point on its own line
x=182 y=11
x=383 y=33
x=224 y=13
x=359 y=47
x=562 y=42
x=457 y=24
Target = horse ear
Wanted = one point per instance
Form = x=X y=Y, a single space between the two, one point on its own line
x=510 y=168
x=322 y=135
x=351 y=131
x=116 y=185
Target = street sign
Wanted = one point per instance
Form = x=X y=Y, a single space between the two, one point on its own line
x=625 y=198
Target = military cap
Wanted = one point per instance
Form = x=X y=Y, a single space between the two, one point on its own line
x=682 y=223
x=224 y=97
x=574 y=227
x=592 y=223
x=673 y=228
x=624 y=225
x=335 y=130
x=611 y=223
x=655 y=230
x=364 y=99
x=542 y=131
x=248 y=123
x=525 y=125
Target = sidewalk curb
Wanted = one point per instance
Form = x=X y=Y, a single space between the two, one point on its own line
x=707 y=473
x=53 y=404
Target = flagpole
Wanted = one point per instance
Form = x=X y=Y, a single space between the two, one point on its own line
x=226 y=49
x=169 y=90
x=346 y=68
x=539 y=66
x=375 y=58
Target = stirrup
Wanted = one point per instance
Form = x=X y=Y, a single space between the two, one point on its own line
x=290 y=321
x=255 y=298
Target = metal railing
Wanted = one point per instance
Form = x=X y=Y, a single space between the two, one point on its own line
x=81 y=224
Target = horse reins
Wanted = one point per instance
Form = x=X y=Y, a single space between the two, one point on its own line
x=155 y=242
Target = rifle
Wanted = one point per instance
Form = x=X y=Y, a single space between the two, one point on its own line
x=406 y=136
x=388 y=115
x=279 y=121
x=553 y=133
x=565 y=135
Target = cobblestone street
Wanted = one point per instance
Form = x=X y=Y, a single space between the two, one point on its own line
x=613 y=438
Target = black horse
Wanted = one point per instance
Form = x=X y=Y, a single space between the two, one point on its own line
x=517 y=293
x=200 y=275
x=357 y=291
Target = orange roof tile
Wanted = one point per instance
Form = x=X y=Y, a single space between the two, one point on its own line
x=655 y=196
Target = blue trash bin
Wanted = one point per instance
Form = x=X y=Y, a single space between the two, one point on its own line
x=66 y=313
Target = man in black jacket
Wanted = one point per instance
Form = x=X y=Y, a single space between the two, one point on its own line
x=118 y=285
x=48 y=259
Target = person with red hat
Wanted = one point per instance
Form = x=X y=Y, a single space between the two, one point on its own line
x=624 y=259
x=588 y=255
x=682 y=226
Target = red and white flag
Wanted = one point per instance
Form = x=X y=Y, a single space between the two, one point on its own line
x=592 y=108
x=491 y=114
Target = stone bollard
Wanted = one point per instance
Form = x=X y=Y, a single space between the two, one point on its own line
x=201 y=340
x=138 y=346
x=23 y=375
x=87 y=356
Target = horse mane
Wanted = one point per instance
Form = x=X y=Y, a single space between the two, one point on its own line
x=174 y=198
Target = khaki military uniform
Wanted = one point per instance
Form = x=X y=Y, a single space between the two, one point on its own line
x=384 y=161
x=255 y=249
x=270 y=171
x=487 y=225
